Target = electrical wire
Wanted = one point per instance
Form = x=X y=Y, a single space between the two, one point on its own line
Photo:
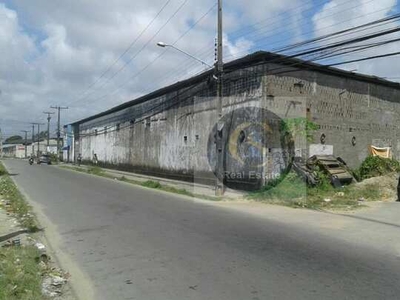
x=140 y=50
x=128 y=48
x=159 y=56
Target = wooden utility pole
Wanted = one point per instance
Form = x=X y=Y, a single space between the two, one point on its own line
x=33 y=140
x=1 y=144
x=58 y=108
x=219 y=188
x=48 y=127
x=38 y=140
x=26 y=142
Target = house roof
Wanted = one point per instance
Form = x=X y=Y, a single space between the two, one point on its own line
x=256 y=58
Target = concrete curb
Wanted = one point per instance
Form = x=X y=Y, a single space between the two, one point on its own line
x=196 y=188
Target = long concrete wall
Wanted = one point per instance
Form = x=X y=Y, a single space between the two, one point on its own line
x=172 y=135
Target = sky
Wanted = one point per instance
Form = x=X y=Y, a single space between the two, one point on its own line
x=69 y=53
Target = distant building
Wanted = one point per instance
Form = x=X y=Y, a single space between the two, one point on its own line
x=18 y=150
x=172 y=131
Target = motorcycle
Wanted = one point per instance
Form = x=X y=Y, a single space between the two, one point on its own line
x=31 y=161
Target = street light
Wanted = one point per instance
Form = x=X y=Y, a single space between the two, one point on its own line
x=164 y=45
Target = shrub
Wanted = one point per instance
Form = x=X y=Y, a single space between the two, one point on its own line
x=374 y=166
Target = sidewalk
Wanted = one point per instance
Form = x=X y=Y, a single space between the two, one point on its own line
x=194 y=188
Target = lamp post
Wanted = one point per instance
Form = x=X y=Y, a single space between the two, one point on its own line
x=220 y=139
x=164 y=45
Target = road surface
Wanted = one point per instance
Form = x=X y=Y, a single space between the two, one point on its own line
x=136 y=243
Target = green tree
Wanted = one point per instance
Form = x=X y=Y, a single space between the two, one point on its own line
x=15 y=139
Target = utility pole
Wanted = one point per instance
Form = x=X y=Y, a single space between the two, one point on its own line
x=38 y=140
x=26 y=142
x=1 y=144
x=33 y=140
x=48 y=127
x=219 y=188
x=59 y=108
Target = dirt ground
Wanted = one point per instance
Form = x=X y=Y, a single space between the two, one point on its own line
x=387 y=185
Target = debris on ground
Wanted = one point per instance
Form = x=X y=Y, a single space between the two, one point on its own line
x=53 y=283
x=387 y=186
x=335 y=168
x=26 y=270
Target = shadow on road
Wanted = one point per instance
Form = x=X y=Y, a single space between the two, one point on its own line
x=366 y=219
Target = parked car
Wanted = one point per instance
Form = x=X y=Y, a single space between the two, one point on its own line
x=44 y=158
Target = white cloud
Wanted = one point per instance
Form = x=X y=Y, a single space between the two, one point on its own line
x=51 y=51
x=337 y=15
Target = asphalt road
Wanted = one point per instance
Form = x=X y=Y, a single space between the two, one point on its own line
x=135 y=243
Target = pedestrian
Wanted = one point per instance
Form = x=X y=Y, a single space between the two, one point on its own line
x=95 y=159
x=79 y=159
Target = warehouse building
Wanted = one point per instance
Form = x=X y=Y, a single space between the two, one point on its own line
x=172 y=131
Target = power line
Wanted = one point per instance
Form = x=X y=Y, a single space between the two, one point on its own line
x=187 y=66
x=365 y=58
x=140 y=50
x=258 y=45
x=334 y=46
x=160 y=55
x=128 y=48
x=252 y=26
x=304 y=20
x=146 y=67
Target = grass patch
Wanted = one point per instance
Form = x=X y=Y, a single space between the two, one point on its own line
x=17 y=203
x=77 y=169
x=3 y=170
x=293 y=192
x=288 y=186
x=20 y=274
x=152 y=184
x=95 y=170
